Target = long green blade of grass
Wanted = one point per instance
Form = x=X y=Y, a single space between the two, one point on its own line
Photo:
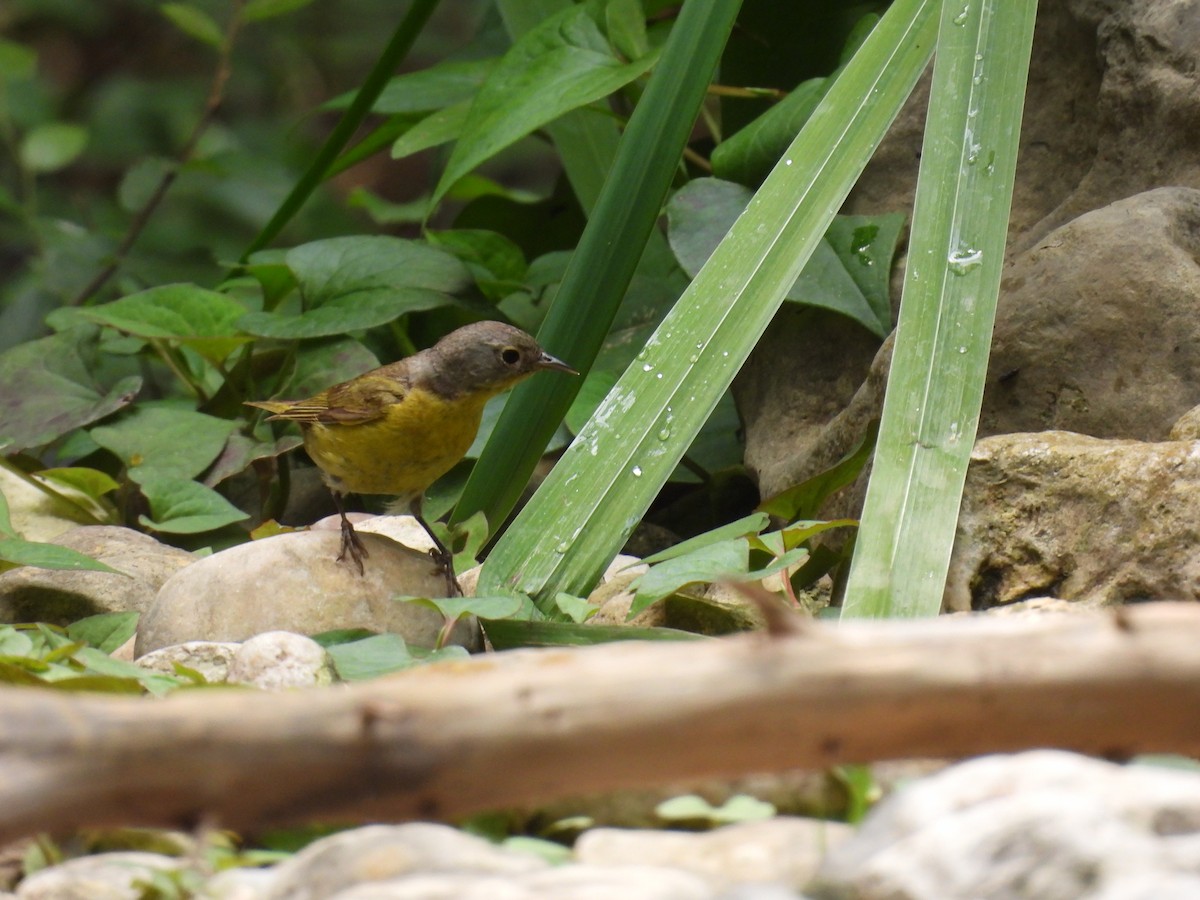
x=604 y=262
x=956 y=254
x=607 y=479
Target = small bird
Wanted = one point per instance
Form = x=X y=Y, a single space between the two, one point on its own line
x=395 y=430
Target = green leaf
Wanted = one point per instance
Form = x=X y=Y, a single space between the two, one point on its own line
x=509 y=634
x=194 y=22
x=951 y=284
x=743 y=527
x=50 y=147
x=258 y=10
x=322 y=364
x=610 y=475
x=240 y=451
x=90 y=482
x=201 y=319
x=355 y=283
x=443 y=84
x=185 y=507
x=381 y=654
x=748 y=155
x=47 y=389
x=49 y=556
x=694 y=808
x=435 y=129
x=595 y=388
x=562 y=64
x=496 y=607
x=703 y=565
x=14 y=642
x=849 y=271
x=804 y=500
x=162 y=442
x=577 y=609
x=106 y=631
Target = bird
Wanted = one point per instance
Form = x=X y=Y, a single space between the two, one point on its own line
x=396 y=429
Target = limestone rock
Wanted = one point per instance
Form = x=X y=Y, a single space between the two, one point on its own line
x=781 y=850
x=36 y=515
x=293 y=582
x=105 y=876
x=210 y=658
x=382 y=852
x=1037 y=824
x=60 y=596
x=280 y=659
x=1077 y=518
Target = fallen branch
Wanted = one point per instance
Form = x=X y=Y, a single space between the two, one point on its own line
x=529 y=726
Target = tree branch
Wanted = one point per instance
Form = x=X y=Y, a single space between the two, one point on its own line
x=522 y=727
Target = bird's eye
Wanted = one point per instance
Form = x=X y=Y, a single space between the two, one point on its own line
x=510 y=355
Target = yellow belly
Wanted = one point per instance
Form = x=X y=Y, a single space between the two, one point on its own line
x=417 y=442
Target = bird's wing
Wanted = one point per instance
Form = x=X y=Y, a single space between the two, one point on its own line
x=363 y=399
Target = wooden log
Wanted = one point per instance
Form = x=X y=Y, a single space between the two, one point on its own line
x=522 y=727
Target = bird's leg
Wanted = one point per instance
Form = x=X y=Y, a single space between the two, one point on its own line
x=351 y=543
x=443 y=557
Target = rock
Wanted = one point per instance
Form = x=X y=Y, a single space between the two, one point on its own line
x=237 y=884
x=1037 y=824
x=105 y=876
x=1086 y=339
x=383 y=852
x=564 y=883
x=36 y=515
x=280 y=659
x=210 y=658
x=1187 y=427
x=1077 y=518
x=60 y=596
x=784 y=851
x=293 y=582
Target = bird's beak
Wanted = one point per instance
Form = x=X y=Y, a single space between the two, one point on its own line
x=551 y=362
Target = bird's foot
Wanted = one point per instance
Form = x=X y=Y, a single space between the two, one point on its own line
x=445 y=564
x=352 y=544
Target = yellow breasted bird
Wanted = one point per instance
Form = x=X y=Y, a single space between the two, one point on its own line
x=395 y=430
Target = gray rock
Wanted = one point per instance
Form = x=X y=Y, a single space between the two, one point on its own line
x=564 y=883
x=1077 y=518
x=210 y=658
x=29 y=594
x=384 y=852
x=280 y=659
x=785 y=851
x=237 y=884
x=1043 y=824
x=293 y=582
x=36 y=515
x=105 y=876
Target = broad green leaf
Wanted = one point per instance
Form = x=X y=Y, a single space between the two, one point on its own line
x=729 y=558
x=849 y=271
x=258 y=10
x=382 y=654
x=509 y=634
x=496 y=262
x=322 y=364
x=951 y=284
x=693 y=807
x=49 y=556
x=106 y=631
x=749 y=154
x=91 y=482
x=158 y=442
x=47 y=389
x=185 y=507
x=625 y=24
x=804 y=500
x=194 y=22
x=201 y=319
x=53 y=146
x=595 y=388
x=562 y=64
x=6 y=525
x=484 y=607
x=13 y=642
x=240 y=451
x=435 y=129
x=12 y=673
x=355 y=283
